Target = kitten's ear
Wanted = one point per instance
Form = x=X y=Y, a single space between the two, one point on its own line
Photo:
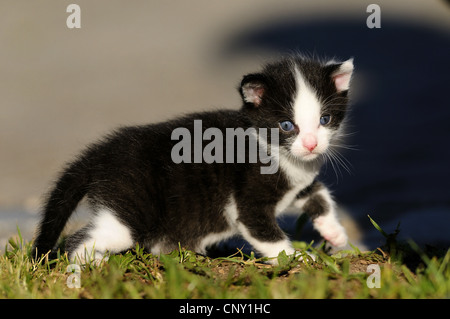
x=253 y=87
x=342 y=76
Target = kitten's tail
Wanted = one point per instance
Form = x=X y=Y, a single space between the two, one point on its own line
x=64 y=198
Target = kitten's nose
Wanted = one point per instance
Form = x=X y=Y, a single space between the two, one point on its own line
x=309 y=142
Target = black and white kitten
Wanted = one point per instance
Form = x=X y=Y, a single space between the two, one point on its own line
x=138 y=193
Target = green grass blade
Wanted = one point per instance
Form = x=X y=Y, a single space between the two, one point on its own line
x=377 y=227
x=444 y=262
x=408 y=275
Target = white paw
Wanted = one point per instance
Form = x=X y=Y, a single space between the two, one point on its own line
x=330 y=229
x=337 y=239
x=310 y=255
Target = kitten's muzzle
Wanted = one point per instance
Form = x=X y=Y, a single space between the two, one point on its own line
x=309 y=142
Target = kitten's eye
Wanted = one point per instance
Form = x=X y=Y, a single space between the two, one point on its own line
x=287 y=126
x=325 y=119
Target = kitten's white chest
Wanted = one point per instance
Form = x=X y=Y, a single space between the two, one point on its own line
x=299 y=177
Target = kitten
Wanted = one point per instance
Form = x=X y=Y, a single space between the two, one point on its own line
x=143 y=187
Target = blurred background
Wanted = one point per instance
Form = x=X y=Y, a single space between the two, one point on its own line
x=147 y=61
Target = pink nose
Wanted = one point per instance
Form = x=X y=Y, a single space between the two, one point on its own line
x=309 y=142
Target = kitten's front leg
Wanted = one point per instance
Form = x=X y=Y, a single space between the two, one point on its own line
x=263 y=233
x=316 y=201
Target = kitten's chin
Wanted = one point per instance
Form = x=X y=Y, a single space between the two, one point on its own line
x=302 y=155
x=305 y=157
x=309 y=157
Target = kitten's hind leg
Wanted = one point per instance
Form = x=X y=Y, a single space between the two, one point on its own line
x=316 y=201
x=104 y=234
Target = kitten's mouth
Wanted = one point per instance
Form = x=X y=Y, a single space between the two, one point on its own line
x=305 y=156
x=309 y=157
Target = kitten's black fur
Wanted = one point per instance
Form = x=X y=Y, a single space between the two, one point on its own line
x=130 y=172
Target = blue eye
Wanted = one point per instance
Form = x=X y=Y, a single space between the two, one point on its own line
x=287 y=126
x=325 y=119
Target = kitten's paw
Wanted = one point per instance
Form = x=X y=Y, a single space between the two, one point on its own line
x=330 y=229
x=272 y=261
x=305 y=258
x=337 y=239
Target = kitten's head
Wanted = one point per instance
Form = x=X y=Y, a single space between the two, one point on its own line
x=304 y=98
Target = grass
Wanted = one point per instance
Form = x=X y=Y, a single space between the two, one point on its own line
x=406 y=271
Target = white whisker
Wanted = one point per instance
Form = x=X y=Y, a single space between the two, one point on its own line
x=341 y=160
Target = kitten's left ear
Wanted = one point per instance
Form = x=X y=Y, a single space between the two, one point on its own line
x=253 y=87
x=342 y=76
